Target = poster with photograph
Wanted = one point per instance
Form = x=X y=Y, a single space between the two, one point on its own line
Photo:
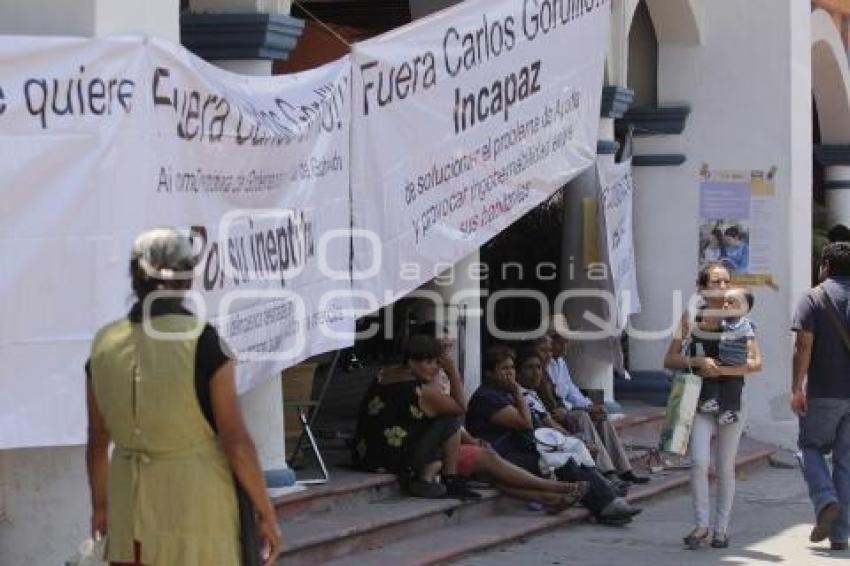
x=736 y=219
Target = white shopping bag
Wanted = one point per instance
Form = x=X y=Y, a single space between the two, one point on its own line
x=680 y=412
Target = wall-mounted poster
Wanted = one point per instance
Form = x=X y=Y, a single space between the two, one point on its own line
x=736 y=222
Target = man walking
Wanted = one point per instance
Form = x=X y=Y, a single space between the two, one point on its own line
x=820 y=394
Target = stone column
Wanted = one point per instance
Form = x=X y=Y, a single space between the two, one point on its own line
x=591 y=361
x=245 y=36
x=659 y=153
x=90 y=18
x=835 y=160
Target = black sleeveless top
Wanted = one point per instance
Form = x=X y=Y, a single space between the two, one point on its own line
x=710 y=344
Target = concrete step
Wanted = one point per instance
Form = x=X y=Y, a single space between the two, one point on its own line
x=512 y=525
x=347 y=488
x=358 y=514
x=643 y=426
x=343 y=531
x=648 y=386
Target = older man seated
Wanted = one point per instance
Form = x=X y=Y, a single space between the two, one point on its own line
x=570 y=407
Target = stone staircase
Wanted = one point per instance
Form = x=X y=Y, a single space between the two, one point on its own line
x=364 y=519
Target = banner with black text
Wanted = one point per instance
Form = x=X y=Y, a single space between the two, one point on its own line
x=463 y=122
x=102 y=139
x=615 y=205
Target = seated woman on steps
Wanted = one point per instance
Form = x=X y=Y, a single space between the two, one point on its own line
x=499 y=413
x=408 y=426
x=476 y=459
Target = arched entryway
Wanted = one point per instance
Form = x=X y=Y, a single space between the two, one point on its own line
x=830 y=130
x=830 y=80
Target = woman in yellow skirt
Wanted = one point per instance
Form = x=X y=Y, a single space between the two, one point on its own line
x=161 y=389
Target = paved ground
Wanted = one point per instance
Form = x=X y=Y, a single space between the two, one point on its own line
x=771 y=524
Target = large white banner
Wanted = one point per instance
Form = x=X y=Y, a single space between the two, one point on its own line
x=615 y=204
x=101 y=139
x=463 y=122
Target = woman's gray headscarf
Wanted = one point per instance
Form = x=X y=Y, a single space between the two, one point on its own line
x=164 y=253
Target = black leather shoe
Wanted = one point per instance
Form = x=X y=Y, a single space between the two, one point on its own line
x=456 y=487
x=427 y=489
x=620 y=487
x=826 y=517
x=618 y=508
x=632 y=478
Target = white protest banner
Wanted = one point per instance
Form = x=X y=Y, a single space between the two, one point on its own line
x=101 y=139
x=463 y=122
x=615 y=204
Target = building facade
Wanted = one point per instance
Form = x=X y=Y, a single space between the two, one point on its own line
x=729 y=85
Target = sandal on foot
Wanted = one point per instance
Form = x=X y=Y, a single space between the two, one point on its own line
x=697 y=537
x=569 y=498
x=577 y=490
x=720 y=540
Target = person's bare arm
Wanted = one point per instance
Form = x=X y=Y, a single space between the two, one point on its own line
x=675 y=359
x=466 y=438
x=434 y=402
x=753 y=364
x=569 y=422
x=510 y=417
x=803 y=343
x=517 y=416
x=242 y=456
x=455 y=380
x=551 y=423
x=97 y=463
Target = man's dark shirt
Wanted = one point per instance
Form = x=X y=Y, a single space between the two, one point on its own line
x=829 y=369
